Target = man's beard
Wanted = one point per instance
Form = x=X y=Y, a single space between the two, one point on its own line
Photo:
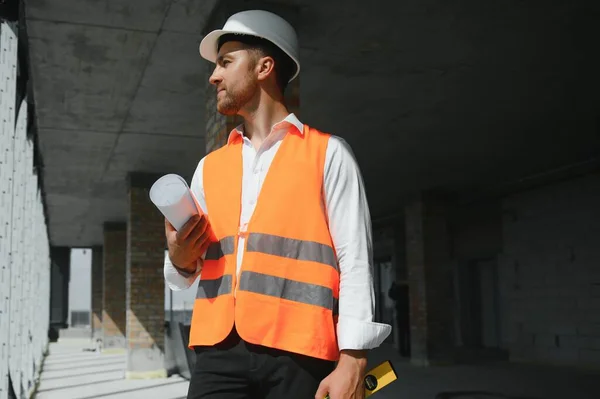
x=231 y=102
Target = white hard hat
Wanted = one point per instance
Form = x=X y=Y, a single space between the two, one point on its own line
x=258 y=23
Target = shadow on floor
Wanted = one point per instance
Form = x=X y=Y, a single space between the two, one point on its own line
x=123 y=391
x=84 y=384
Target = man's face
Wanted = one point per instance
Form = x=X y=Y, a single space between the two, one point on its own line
x=234 y=77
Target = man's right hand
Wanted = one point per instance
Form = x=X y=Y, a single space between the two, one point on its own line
x=188 y=244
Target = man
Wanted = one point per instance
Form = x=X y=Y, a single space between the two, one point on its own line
x=285 y=300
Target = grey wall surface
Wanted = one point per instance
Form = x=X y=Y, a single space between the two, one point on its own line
x=549 y=273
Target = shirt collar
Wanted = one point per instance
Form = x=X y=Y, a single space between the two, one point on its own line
x=291 y=119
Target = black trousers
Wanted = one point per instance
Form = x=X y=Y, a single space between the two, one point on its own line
x=235 y=369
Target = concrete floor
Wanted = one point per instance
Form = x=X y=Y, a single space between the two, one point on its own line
x=72 y=371
x=487 y=381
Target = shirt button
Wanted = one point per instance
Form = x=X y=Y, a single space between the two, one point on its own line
x=252 y=202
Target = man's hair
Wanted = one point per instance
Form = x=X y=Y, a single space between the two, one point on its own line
x=284 y=65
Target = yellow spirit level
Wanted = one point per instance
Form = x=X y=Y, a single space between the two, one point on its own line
x=378 y=377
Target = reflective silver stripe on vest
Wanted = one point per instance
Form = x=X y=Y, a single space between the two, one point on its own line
x=216 y=250
x=310 y=294
x=208 y=289
x=291 y=248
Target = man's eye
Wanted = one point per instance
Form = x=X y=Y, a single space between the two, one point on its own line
x=225 y=62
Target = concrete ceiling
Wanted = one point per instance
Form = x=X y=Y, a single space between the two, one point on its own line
x=118 y=87
x=459 y=95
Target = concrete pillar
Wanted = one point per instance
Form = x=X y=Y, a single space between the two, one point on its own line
x=146 y=246
x=219 y=126
x=97 y=291
x=113 y=282
x=430 y=275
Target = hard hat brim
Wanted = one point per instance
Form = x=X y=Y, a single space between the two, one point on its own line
x=208 y=48
x=208 y=45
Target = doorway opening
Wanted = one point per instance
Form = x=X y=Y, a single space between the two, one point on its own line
x=480 y=318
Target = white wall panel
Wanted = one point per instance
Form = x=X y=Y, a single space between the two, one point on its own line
x=24 y=246
x=8 y=57
x=7 y=87
x=16 y=264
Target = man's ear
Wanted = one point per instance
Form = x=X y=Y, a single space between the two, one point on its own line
x=265 y=67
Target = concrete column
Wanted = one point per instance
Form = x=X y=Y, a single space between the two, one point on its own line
x=146 y=246
x=430 y=277
x=113 y=282
x=219 y=126
x=97 y=290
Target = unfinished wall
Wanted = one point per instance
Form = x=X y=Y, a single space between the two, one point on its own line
x=476 y=243
x=549 y=273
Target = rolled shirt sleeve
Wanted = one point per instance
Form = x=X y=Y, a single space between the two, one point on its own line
x=350 y=228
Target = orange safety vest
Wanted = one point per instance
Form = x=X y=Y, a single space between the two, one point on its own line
x=288 y=288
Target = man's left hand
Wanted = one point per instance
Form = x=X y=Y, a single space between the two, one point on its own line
x=347 y=380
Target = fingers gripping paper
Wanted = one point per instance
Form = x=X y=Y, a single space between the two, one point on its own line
x=172 y=196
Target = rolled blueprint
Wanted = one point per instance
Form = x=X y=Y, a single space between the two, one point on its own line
x=174 y=200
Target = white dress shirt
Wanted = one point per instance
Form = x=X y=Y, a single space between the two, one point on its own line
x=349 y=224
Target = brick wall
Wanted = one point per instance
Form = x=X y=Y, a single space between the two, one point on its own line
x=550 y=273
x=145 y=282
x=97 y=287
x=113 y=299
x=430 y=281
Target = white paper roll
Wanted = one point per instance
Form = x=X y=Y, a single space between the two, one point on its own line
x=174 y=199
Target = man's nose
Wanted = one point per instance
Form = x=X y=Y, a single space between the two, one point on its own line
x=214 y=78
